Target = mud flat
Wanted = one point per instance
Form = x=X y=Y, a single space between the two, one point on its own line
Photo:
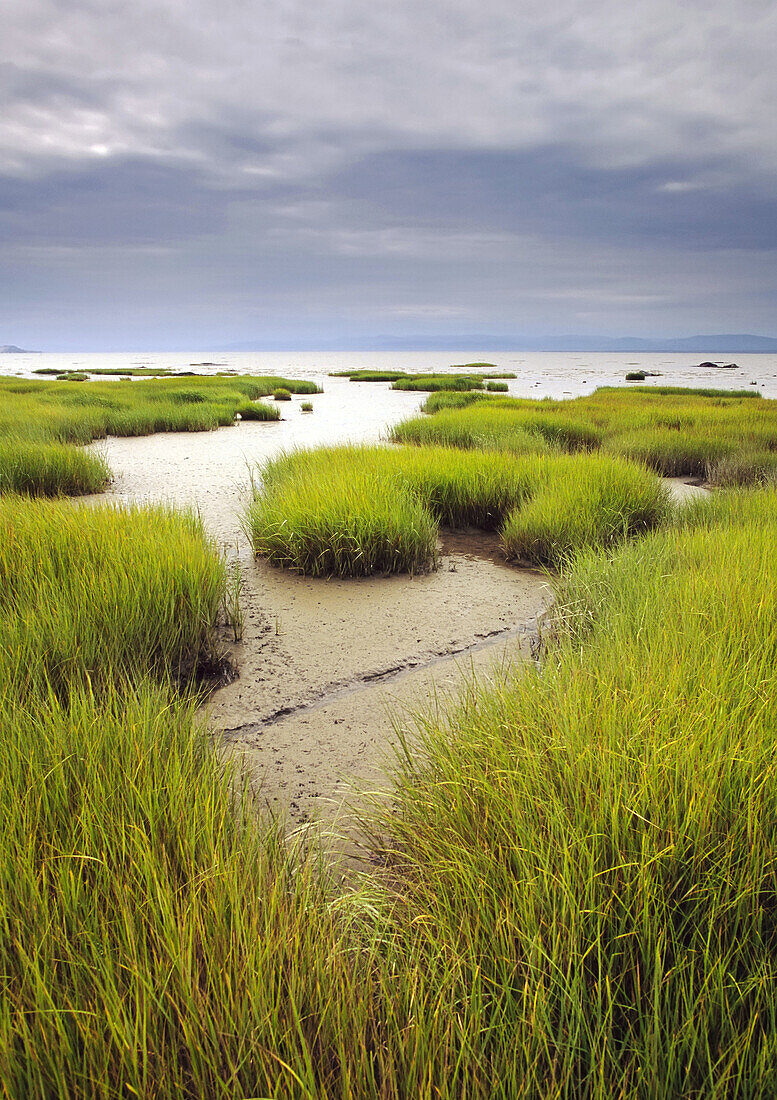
x=328 y=668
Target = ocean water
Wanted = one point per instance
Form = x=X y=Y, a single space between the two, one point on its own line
x=539 y=374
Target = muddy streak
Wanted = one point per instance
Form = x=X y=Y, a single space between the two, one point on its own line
x=321 y=658
x=325 y=658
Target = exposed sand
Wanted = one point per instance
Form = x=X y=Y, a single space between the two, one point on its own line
x=331 y=669
x=328 y=666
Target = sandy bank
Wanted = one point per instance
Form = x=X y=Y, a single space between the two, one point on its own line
x=329 y=667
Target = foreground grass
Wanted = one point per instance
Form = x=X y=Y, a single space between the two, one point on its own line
x=591 y=849
x=352 y=511
x=40 y=421
x=582 y=859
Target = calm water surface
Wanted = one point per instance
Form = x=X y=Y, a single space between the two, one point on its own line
x=540 y=374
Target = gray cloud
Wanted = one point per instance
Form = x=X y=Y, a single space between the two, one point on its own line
x=501 y=164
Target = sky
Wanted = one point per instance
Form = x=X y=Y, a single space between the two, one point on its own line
x=180 y=174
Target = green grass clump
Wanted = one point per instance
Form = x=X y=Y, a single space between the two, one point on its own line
x=307 y=406
x=589 y=501
x=369 y=375
x=747 y=468
x=672 y=453
x=335 y=512
x=431 y=383
x=635 y=376
x=496 y=387
x=282 y=394
x=589 y=850
x=50 y=469
x=501 y=424
x=485 y=427
x=435 y=402
x=257 y=410
x=88 y=593
x=352 y=511
x=73 y=376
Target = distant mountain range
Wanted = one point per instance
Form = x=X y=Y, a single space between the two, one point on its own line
x=725 y=343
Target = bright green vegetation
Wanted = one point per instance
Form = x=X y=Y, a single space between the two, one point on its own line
x=426 y=382
x=496 y=387
x=502 y=425
x=148 y=921
x=339 y=512
x=307 y=406
x=93 y=593
x=257 y=410
x=673 y=431
x=40 y=419
x=73 y=376
x=282 y=393
x=352 y=511
x=580 y=898
x=432 y=383
x=589 y=850
x=635 y=376
x=462 y=400
x=49 y=470
x=369 y=375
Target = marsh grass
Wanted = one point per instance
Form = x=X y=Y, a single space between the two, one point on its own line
x=431 y=383
x=590 y=848
x=156 y=939
x=579 y=894
x=588 y=501
x=502 y=426
x=352 y=511
x=257 y=410
x=336 y=512
x=483 y=428
x=89 y=589
x=748 y=468
x=50 y=469
x=46 y=415
x=675 y=432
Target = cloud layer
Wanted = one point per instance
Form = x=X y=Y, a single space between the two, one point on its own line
x=245 y=169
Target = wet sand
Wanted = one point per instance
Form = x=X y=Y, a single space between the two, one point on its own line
x=328 y=667
x=329 y=670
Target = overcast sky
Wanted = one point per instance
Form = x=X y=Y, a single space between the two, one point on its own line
x=189 y=173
